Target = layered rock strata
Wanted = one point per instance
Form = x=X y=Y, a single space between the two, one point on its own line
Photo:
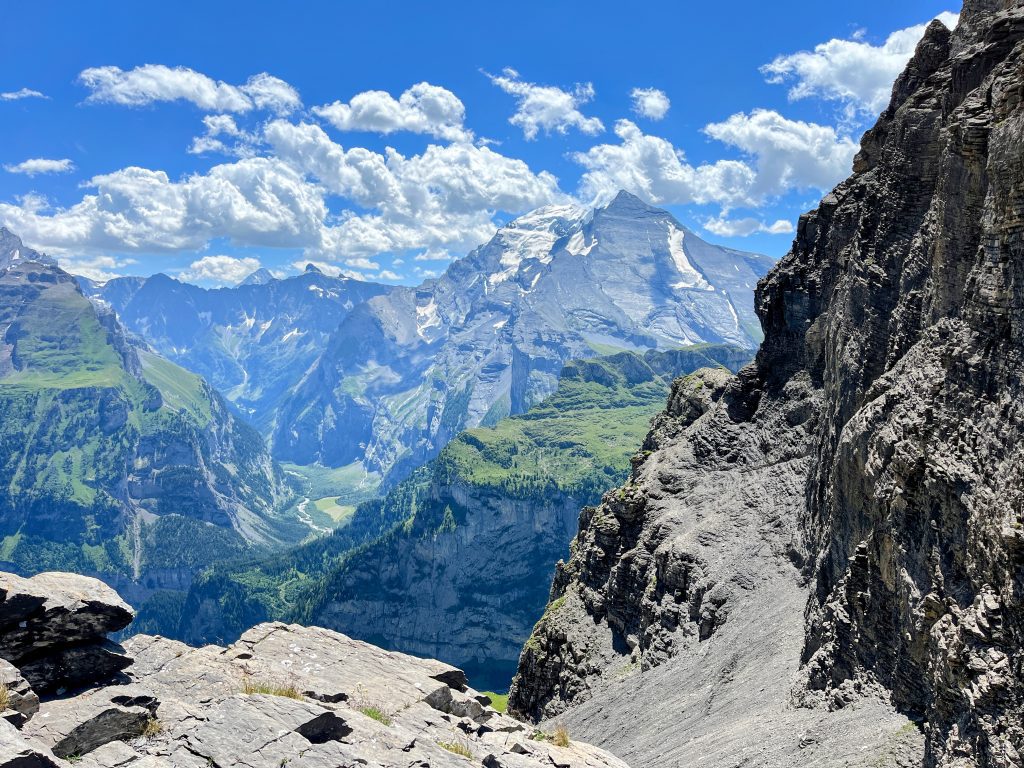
x=823 y=562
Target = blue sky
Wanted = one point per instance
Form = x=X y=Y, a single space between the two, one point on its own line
x=205 y=139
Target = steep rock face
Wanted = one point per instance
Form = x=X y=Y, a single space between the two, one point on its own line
x=280 y=695
x=406 y=372
x=872 y=450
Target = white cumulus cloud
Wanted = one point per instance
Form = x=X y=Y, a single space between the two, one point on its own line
x=547 y=108
x=433 y=254
x=151 y=83
x=22 y=93
x=781 y=155
x=744 y=227
x=255 y=201
x=650 y=103
x=224 y=136
x=98 y=268
x=444 y=197
x=38 y=165
x=423 y=108
x=787 y=154
x=652 y=168
x=220 y=269
x=853 y=72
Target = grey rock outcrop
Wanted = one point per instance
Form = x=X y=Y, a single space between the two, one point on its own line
x=17 y=752
x=54 y=626
x=284 y=691
x=825 y=566
x=21 y=701
x=78 y=725
x=282 y=695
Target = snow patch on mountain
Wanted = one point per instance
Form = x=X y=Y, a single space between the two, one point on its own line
x=427 y=317
x=532 y=237
x=692 y=278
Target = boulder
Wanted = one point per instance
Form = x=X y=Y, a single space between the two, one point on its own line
x=54 y=626
x=332 y=667
x=56 y=609
x=76 y=726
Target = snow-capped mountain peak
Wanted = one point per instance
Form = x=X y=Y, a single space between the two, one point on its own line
x=405 y=371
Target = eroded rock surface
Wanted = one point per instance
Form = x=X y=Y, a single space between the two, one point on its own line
x=17 y=752
x=22 y=701
x=282 y=695
x=824 y=566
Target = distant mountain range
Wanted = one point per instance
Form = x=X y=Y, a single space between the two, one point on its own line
x=377 y=378
x=253 y=342
x=407 y=370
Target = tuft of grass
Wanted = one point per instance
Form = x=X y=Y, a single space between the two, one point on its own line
x=5 y=697
x=499 y=701
x=376 y=713
x=457 y=748
x=560 y=736
x=555 y=604
x=152 y=728
x=271 y=689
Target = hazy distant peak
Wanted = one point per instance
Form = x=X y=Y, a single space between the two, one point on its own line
x=261 y=276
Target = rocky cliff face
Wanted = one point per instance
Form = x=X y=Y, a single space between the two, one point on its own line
x=833 y=540
x=282 y=695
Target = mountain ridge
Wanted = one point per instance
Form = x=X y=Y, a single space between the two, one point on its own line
x=250 y=341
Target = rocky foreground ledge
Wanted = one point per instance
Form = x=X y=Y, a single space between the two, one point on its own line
x=283 y=695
